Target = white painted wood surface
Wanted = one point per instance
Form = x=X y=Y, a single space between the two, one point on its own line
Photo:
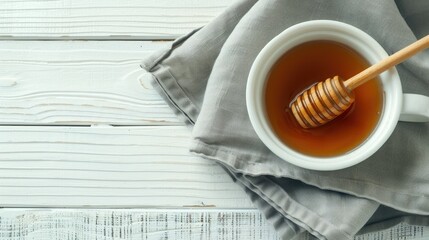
x=79 y=83
x=109 y=167
x=110 y=19
x=92 y=83
x=134 y=224
x=210 y=224
x=51 y=92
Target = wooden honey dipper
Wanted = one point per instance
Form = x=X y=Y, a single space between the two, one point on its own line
x=324 y=101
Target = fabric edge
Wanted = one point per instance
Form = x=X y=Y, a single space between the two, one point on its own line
x=359 y=187
x=324 y=230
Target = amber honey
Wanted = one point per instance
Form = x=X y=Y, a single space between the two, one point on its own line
x=305 y=65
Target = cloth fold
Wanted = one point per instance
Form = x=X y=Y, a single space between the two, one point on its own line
x=203 y=77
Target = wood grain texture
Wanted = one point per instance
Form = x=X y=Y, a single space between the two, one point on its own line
x=96 y=83
x=109 y=166
x=79 y=83
x=106 y=19
x=135 y=224
x=190 y=223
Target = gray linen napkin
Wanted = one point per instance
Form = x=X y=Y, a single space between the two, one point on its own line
x=203 y=78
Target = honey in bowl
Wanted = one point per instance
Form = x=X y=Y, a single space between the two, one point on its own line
x=301 y=67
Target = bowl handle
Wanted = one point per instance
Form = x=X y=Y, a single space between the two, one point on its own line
x=415 y=108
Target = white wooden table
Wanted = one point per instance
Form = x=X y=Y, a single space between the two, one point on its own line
x=87 y=148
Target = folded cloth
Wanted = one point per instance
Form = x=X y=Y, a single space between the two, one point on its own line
x=203 y=77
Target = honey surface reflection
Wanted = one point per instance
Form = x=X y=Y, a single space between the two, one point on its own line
x=305 y=65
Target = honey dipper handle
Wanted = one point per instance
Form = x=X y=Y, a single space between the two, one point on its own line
x=387 y=63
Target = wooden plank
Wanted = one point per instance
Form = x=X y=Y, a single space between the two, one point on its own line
x=110 y=224
x=79 y=83
x=135 y=224
x=110 y=19
x=109 y=166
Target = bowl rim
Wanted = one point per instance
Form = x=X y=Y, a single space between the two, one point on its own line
x=322 y=30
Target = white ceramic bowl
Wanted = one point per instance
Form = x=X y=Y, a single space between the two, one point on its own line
x=322 y=30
